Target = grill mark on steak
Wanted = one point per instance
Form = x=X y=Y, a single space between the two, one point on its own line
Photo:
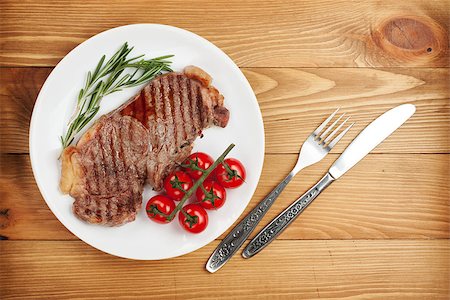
x=96 y=168
x=119 y=155
x=180 y=128
x=92 y=166
x=118 y=158
x=152 y=126
x=117 y=163
x=199 y=99
x=194 y=107
x=102 y=170
x=107 y=161
x=160 y=130
x=150 y=111
x=125 y=130
x=151 y=121
x=158 y=108
x=86 y=165
x=168 y=117
x=163 y=99
x=164 y=120
x=143 y=107
x=101 y=167
x=109 y=209
x=181 y=134
x=188 y=108
x=115 y=170
x=183 y=107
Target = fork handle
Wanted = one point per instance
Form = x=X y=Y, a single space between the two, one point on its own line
x=234 y=240
x=277 y=225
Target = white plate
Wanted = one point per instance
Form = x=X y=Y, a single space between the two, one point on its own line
x=144 y=239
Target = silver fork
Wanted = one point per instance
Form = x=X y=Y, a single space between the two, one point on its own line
x=314 y=149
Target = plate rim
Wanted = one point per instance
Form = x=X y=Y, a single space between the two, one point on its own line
x=61 y=64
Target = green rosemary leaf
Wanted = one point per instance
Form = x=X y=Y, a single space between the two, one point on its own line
x=80 y=95
x=99 y=65
x=89 y=78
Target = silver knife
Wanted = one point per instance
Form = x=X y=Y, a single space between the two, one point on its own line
x=366 y=141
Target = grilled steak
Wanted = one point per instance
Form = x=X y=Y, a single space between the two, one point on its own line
x=143 y=140
x=106 y=172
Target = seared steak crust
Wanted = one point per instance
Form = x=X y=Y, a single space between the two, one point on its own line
x=113 y=166
x=142 y=140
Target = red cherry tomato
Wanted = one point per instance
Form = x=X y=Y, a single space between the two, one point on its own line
x=231 y=173
x=212 y=196
x=194 y=219
x=176 y=184
x=157 y=205
x=197 y=160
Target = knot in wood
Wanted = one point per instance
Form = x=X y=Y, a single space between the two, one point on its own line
x=411 y=38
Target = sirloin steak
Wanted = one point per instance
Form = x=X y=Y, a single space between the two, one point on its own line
x=143 y=140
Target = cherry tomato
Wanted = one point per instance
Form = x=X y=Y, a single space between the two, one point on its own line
x=176 y=184
x=195 y=161
x=194 y=219
x=231 y=173
x=212 y=196
x=159 y=204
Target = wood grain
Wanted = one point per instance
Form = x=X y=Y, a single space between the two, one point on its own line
x=293 y=102
x=381 y=232
x=384 y=197
x=19 y=88
x=287 y=269
x=254 y=33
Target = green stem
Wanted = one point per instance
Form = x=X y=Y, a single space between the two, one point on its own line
x=185 y=214
x=200 y=181
x=191 y=220
x=193 y=165
x=227 y=167
x=203 y=189
x=231 y=173
x=154 y=210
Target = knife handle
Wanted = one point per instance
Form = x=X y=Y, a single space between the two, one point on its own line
x=234 y=240
x=277 y=225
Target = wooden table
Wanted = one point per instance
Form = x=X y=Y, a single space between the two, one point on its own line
x=382 y=231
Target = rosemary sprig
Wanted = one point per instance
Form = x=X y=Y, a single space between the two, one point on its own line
x=108 y=78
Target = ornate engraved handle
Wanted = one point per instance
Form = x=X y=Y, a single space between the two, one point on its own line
x=234 y=240
x=277 y=225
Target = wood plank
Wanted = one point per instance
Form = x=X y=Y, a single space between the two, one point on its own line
x=286 y=269
x=253 y=33
x=19 y=88
x=388 y=196
x=293 y=102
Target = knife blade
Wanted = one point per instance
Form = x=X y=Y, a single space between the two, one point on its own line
x=366 y=141
x=370 y=137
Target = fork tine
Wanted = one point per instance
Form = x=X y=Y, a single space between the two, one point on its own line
x=324 y=134
x=335 y=131
x=322 y=126
x=338 y=138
